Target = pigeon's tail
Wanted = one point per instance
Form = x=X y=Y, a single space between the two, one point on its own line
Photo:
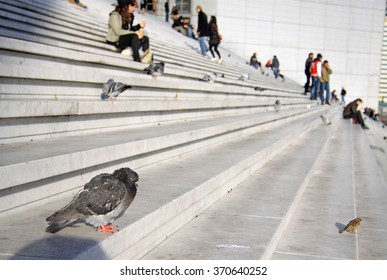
x=341 y=231
x=56 y=226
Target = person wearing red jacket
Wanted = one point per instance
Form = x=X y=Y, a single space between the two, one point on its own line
x=315 y=72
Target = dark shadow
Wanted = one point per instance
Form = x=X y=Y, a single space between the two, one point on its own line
x=61 y=248
x=340 y=226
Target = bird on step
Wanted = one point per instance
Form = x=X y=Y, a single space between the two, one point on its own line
x=244 y=77
x=111 y=89
x=155 y=69
x=277 y=105
x=325 y=120
x=211 y=78
x=99 y=203
x=352 y=226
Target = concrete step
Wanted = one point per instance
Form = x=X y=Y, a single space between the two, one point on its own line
x=170 y=195
x=174 y=55
x=22 y=121
x=347 y=183
x=378 y=144
x=48 y=165
x=247 y=223
x=86 y=81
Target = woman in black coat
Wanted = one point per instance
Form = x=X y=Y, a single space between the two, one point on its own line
x=214 y=38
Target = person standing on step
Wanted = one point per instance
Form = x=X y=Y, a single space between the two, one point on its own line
x=343 y=93
x=351 y=112
x=166 y=8
x=315 y=72
x=143 y=6
x=122 y=33
x=214 y=39
x=202 y=30
x=275 y=67
x=326 y=71
x=154 y=7
x=309 y=60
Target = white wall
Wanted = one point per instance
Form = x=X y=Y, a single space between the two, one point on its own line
x=348 y=33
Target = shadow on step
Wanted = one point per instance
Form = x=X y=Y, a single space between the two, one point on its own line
x=58 y=248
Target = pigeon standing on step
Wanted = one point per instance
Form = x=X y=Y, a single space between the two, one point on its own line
x=211 y=78
x=259 y=89
x=99 y=203
x=277 y=105
x=111 y=89
x=155 y=69
x=244 y=77
x=352 y=226
x=325 y=120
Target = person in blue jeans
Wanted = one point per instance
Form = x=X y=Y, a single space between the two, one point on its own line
x=326 y=71
x=203 y=30
x=315 y=72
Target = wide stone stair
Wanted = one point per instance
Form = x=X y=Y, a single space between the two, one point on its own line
x=191 y=142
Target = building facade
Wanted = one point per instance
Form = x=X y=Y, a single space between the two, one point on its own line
x=348 y=33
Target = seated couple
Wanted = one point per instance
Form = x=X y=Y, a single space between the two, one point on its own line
x=123 y=34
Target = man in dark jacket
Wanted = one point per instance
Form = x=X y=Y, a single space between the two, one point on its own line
x=351 y=112
x=203 y=30
x=307 y=71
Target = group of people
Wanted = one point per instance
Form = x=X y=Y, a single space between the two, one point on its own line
x=320 y=73
x=180 y=24
x=123 y=33
x=273 y=64
x=207 y=32
x=143 y=6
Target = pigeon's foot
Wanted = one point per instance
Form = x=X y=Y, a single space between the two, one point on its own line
x=107 y=229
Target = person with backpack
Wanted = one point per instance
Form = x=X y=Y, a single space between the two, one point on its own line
x=315 y=72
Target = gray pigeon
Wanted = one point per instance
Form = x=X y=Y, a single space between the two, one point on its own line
x=155 y=69
x=211 y=78
x=325 y=120
x=99 y=203
x=244 y=77
x=277 y=105
x=111 y=89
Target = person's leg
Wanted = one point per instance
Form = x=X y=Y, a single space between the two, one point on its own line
x=212 y=52
x=357 y=115
x=307 y=82
x=130 y=40
x=323 y=87
x=144 y=43
x=275 y=71
x=202 y=45
x=316 y=85
x=217 y=52
x=328 y=93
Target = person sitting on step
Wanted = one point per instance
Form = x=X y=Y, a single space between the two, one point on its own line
x=123 y=34
x=351 y=112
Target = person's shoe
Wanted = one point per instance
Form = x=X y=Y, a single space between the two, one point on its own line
x=220 y=61
x=365 y=127
x=328 y=103
x=214 y=59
